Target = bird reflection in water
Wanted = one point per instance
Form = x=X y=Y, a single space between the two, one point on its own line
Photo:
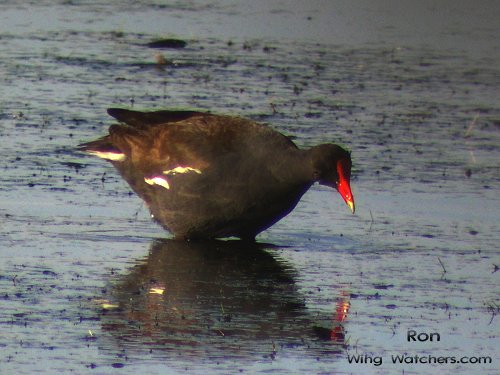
x=216 y=298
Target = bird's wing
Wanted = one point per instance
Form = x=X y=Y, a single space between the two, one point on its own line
x=165 y=140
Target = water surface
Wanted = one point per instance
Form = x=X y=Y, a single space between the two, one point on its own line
x=90 y=285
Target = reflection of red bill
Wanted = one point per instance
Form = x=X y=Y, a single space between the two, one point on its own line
x=337 y=334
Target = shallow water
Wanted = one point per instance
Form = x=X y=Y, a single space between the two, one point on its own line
x=90 y=284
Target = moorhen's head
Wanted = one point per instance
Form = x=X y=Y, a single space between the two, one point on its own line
x=332 y=167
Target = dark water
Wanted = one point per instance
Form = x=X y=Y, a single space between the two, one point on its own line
x=89 y=284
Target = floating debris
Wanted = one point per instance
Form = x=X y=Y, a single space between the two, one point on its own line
x=167 y=43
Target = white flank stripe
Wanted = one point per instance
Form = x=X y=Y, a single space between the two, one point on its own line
x=113 y=156
x=157 y=181
x=180 y=169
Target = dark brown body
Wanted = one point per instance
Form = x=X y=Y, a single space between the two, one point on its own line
x=208 y=176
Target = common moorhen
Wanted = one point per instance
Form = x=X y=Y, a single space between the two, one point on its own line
x=211 y=176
